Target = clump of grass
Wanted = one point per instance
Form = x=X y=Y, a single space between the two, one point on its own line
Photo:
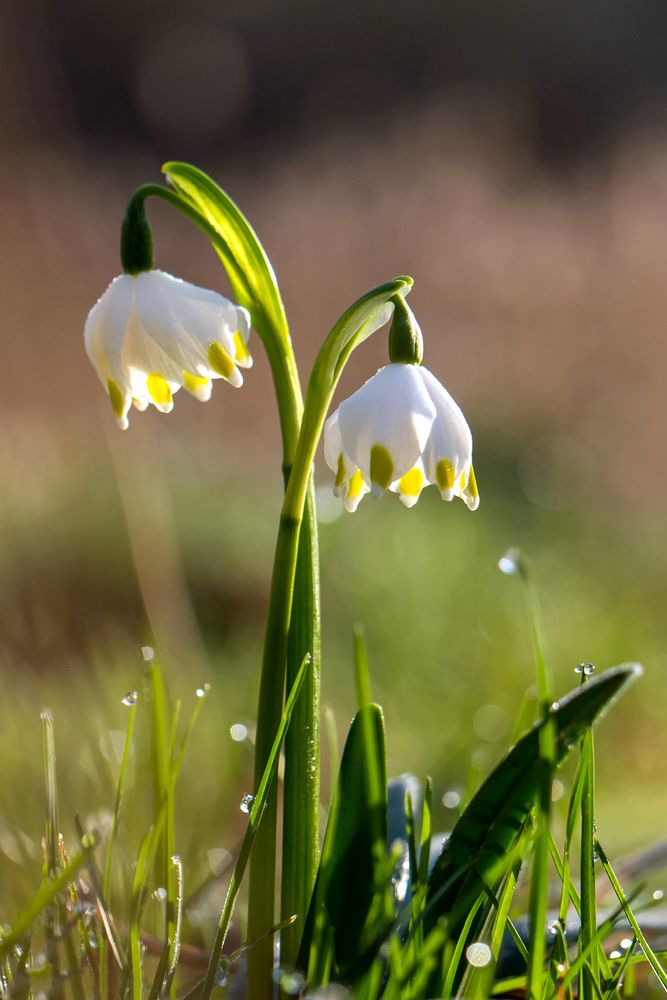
x=387 y=919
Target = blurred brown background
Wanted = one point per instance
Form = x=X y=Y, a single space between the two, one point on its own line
x=510 y=156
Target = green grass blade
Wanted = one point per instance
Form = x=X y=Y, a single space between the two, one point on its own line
x=106 y=884
x=362 y=675
x=451 y=972
x=251 y=831
x=145 y=859
x=590 y=970
x=170 y=882
x=43 y=898
x=632 y=920
x=354 y=848
x=175 y=940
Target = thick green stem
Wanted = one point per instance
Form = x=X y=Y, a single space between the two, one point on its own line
x=302 y=746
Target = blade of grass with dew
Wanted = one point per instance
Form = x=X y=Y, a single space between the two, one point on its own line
x=497 y=814
x=69 y=926
x=131 y=701
x=591 y=948
x=175 y=940
x=450 y=972
x=623 y=900
x=43 y=898
x=254 y=820
x=145 y=859
x=617 y=978
x=54 y=915
x=104 y=913
x=169 y=832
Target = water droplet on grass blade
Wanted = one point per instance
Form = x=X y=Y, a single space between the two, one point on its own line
x=478 y=954
x=626 y=943
x=615 y=954
x=202 y=691
x=159 y=894
x=247 y=802
x=509 y=563
x=658 y=894
x=147 y=653
x=238 y=732
x=130 y=698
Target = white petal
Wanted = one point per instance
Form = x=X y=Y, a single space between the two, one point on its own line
x=104 y=331
x=393 y=411
x=449 y=442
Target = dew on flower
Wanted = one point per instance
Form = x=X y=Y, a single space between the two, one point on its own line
x=130 y=698
x=247 y=802
x=478 y=954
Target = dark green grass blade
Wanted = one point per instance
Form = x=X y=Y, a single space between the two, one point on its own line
x=655 y=964
x=497 y=814
x=354 y=849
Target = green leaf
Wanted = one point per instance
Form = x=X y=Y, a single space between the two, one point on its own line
x=483 y=841
x=347 y=915
x=248 y=267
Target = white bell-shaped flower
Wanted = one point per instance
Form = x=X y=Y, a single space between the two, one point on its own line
x=401 y=431
x=151 y=333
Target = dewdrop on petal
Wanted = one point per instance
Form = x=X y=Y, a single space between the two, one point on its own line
x=401 y=431
x=150 y=333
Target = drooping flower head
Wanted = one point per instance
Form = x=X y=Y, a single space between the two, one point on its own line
x=150 y=333
x=401 y=430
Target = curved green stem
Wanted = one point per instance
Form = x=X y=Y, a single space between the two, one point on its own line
x=362 y=319
x=254 y=287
